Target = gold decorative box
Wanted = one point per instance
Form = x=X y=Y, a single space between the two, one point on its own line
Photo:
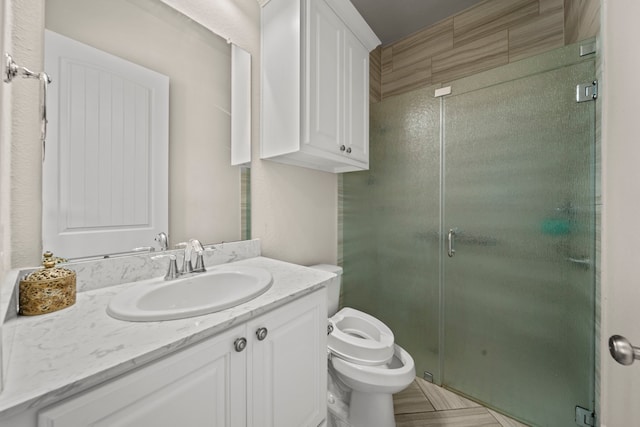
x=49 y=289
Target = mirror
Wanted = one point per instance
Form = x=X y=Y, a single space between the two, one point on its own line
x=205 y=191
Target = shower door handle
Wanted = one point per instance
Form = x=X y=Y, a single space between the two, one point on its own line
x=450 y=250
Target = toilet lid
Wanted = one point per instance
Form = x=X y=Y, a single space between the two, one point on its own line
x=360 y=338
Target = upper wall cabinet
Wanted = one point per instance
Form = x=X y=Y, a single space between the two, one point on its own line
x=315 y=84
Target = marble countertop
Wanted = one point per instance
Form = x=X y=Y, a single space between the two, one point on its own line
x=62 y=353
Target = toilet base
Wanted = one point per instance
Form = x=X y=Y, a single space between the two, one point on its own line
x=371 y=410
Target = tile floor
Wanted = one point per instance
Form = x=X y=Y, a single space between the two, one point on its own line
x=424 y=404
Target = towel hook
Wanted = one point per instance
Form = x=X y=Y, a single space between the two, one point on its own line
x=11 y=70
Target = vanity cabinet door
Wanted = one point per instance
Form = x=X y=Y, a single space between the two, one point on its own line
x=204 y=385
x=287 y=369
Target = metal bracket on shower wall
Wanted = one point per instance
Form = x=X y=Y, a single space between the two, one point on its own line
x=584 y=417
x=587 y=91
x=588 y=48
x=443 y=91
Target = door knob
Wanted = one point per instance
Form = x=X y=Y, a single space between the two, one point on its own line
x=622 y=350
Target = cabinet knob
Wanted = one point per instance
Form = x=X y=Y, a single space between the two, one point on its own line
x=349 y=150
x=240 y=344
x=261 y=333
x=342 y=148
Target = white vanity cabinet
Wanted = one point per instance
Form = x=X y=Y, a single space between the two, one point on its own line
x=202 y=385
x=315 y=84
x=269 y=371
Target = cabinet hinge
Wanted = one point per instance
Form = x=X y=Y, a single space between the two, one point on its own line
x=587 y=91
x=585 y=417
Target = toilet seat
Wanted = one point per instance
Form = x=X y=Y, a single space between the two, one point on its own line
x=388 y=378
x=360 y=338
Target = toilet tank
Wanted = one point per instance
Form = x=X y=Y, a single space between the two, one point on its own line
x=333 y=289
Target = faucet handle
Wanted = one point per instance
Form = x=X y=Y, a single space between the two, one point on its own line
x=172 y=272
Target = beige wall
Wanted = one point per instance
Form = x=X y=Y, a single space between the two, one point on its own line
x=620 y=97
x=294 y=210
x=26 y=208
x=5 y=165
x=5 y=246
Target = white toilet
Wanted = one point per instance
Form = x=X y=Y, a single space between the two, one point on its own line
x=365 y=359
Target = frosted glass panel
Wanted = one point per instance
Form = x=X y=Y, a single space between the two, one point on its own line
x=509 y=320
x=391 y=222
x=519 y=292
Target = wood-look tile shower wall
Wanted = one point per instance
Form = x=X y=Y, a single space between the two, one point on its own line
x=488 y=35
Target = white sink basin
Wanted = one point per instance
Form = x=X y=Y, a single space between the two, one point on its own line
x=219 y=288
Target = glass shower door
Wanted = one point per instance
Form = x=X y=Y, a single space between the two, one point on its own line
x=391 y=225
x=519 y=206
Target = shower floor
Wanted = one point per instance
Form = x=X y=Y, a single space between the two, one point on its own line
x=424 y=404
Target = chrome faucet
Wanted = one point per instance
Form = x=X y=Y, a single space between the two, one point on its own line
x=193 y=245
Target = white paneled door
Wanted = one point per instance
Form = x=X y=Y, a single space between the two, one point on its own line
x=105 y=174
